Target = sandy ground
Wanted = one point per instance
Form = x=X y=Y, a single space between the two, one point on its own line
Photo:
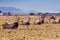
x=46 y=31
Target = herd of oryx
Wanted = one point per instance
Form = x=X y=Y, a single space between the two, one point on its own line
x=14 y=25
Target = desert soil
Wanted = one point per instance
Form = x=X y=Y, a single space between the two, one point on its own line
x=46 y=31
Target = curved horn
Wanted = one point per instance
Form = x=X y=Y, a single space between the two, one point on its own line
x=18 y=18
x=28 y=18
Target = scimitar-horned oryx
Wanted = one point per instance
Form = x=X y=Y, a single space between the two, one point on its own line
x=11 y=25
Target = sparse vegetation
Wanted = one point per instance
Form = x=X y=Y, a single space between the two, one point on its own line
x=33 y=32
x=32 y=14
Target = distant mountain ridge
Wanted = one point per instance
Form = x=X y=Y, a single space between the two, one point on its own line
x=13 y=10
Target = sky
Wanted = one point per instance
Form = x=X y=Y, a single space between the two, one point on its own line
x=33 y=5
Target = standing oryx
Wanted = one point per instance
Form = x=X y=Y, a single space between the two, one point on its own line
x=11 y=25
x=55 y=21
x=52 y=17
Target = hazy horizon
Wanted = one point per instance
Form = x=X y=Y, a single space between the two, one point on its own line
x=33 y=5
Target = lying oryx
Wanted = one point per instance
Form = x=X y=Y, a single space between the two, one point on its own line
x=26 y=22
x=56 y=22
x=38 y=22
x=11 y=25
